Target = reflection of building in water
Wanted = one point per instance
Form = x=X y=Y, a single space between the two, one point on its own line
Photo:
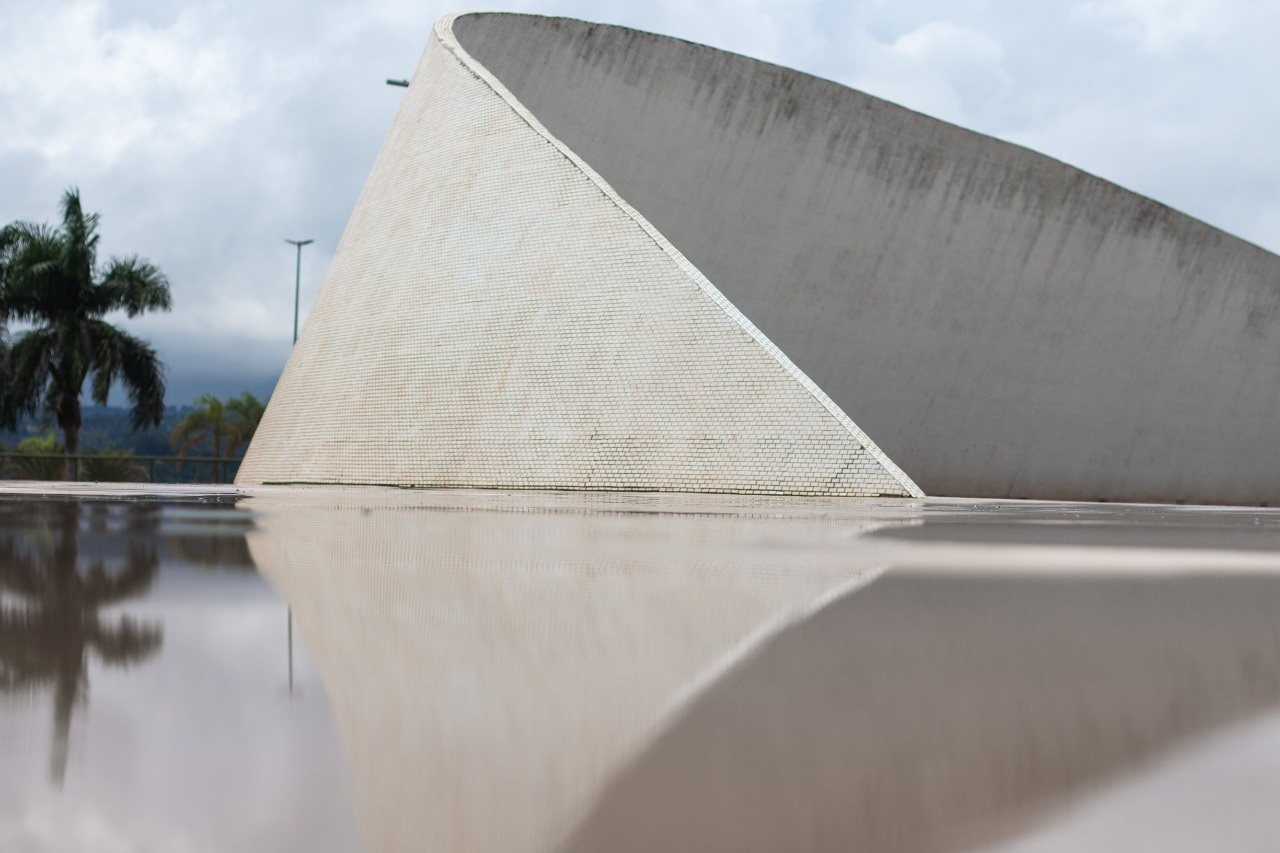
x=488 y=671
x=531 y=680
x=50 y=621
x=938 y=711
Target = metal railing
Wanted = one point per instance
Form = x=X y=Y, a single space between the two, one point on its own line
x=171 y=469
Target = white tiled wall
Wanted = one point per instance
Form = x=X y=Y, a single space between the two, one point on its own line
x=496 y=316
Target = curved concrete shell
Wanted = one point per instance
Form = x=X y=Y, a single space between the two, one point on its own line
x=581 y=244
x=497 y=316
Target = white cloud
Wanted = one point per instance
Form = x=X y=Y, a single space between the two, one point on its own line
x=942 y=68
x=207 y=132
x=205 y=137
x=1158 y=26
x=946 y=44
x=88 y=93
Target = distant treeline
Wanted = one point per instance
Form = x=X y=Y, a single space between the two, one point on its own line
x=108 y=426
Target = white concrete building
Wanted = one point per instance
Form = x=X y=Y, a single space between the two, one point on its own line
x=593 y=258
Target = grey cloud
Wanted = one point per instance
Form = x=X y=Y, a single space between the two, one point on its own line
x=244 y=123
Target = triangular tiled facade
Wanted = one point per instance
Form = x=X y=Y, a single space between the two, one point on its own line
x=496 y=316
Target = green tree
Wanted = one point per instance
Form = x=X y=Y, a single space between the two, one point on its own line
x=50 y=279
x=37 y=459
x=112 y=464
x=220 y=429
x=247 y=411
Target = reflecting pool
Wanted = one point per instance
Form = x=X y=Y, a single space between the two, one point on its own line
x=381 y=669
x=144 y=687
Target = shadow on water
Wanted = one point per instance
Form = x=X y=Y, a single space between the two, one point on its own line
x=65 y=565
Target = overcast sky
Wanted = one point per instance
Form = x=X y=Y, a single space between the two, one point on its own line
x=207 y=132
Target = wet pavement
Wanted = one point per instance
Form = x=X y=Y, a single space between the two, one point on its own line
x=342 y=669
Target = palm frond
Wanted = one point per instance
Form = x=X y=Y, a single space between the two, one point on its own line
x=48 y=278
x=34 y=286
x=132 y=284
x=143 y=375
x=106 y=343
x=203 y=424
x=29 y=370
x=119 y=355
x=248 y=411
x=5 y=367
x=18 y=572
x=127 y=643
x=102 y=587
x=80 y=248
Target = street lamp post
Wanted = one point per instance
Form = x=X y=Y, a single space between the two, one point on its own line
x=297 y=283
x=297 y=292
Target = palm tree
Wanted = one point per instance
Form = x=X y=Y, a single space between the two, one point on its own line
x=247 y=410
x=207 y=424
x=50 y=279
x=223 y=427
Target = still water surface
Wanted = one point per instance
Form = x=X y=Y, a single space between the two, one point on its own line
x=338 y=669
x=144 y=687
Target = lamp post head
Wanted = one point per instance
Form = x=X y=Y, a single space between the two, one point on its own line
x=299 y=243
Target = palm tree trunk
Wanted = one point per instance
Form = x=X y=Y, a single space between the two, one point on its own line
x=67 y=613
x=67 y=411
